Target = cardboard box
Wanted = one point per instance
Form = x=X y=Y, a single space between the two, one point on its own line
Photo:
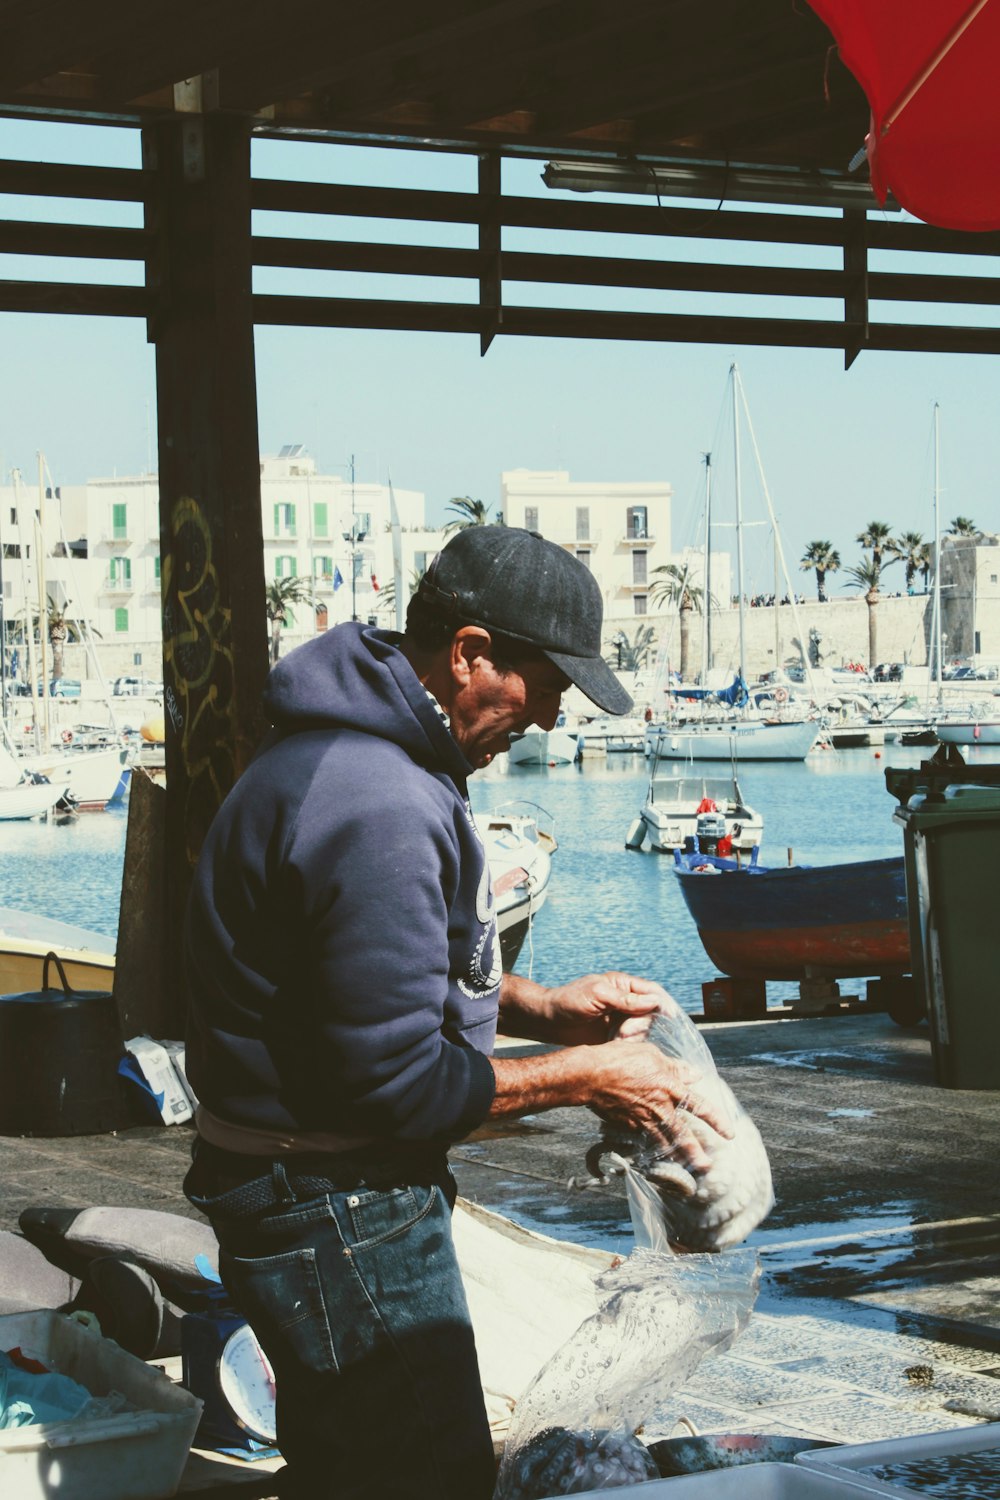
x=175 y=1051
x=151 y=1067
x=138 y=1455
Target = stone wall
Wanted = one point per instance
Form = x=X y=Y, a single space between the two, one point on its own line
x=772 y=634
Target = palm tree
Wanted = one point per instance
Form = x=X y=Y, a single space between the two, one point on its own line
x=962 y=526
x=910 y=549
x=926 y=563
x=629 y=656
x=866 y=576
x=469 y=512
x=60 y=629
x=823 y=558
x=387 y=593
x=675 y=588
x=282 y=593
x=877 y=538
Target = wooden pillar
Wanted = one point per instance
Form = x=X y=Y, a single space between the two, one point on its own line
x=211 y=548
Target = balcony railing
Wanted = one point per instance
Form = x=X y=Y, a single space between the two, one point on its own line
x=636 y=537
x=114 y=584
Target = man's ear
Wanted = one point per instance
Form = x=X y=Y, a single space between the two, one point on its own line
x=468 y=646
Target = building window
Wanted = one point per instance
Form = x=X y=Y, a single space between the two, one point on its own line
x=323 y=569
x=420 y=563
x=121 y=620
x=119 y=523
x=583 y=523
x=362 y=523
x=531 y=518
x=636 y=522
x=321 y=520
x=120 y=572
x=639 y=574
x=359 y=567
x=993 y=578
x=285 y=567
x=156 y=567
x=284 y=520
x=583 y=556
x=640 y=603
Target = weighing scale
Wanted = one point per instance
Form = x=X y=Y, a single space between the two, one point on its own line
x=224 y=1365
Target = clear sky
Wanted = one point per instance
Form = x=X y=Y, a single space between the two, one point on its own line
x=838 y=448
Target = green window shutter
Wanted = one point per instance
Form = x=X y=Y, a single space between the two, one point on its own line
x=119 y=521
x=156 y=568
x=126 y=570
x=277 y=520
x=113 y=570
x=291 y=520
x=121 y=619
x=293 y=567
x=320 y=518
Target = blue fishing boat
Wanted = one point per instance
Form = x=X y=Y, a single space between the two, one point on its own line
x=843 y=921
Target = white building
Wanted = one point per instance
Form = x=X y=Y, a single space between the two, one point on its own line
x=620 y=530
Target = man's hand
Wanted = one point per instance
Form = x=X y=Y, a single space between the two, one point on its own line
x=631 y=1083
x=596 y=1008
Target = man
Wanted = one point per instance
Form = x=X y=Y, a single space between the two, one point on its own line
x=344 y=967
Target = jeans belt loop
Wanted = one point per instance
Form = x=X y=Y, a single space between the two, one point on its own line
x=283 y=1190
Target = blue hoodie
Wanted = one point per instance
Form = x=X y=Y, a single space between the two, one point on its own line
x=341 y=948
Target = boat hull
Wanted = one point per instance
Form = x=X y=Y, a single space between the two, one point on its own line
x=29 y=800
x=968 y=731
x=541 y=747
x=88 y=957
x=729 y=740
x=843 y=921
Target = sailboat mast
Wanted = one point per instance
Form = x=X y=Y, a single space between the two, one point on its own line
x=43 y=610
x=29 y=633
x=735 y=375
x=706 y=610
x=937 y=549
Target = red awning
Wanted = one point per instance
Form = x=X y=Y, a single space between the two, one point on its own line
x=930 y=70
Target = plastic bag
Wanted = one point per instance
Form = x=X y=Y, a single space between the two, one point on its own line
x=669 y=1206
x=574 y=1428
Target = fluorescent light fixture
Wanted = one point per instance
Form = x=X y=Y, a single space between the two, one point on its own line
x=723 y=181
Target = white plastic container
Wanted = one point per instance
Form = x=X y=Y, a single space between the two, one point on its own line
x=750 y=1482
x=136 y=1455
x=850 y=1461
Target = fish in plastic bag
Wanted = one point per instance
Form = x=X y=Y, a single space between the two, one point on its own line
x=669 y=1204
x=659 y=1315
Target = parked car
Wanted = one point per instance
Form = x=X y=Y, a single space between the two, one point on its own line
x=137 y=687
x=59 y=687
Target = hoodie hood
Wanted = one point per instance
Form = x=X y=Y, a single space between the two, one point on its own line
x=355 y=677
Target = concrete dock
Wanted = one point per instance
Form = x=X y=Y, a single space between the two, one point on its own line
x=879 y=1312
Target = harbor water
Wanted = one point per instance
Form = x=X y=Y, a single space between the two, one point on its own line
x=608 y=907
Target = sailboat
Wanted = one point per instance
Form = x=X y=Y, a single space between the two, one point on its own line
x=93 y=774
x=968 y=723
x=725 y=727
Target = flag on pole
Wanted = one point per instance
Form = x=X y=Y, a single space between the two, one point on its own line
x=374 y=583
x=397 y=555
x=337 y=578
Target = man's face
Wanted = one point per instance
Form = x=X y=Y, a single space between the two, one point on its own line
x=495 y=704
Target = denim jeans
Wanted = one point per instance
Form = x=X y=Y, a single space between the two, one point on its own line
x=356 y=1297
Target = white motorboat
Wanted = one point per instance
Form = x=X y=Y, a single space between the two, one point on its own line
x=95 y=776
x=747 y=737
x=25 y=795
x=519 y=840
x=608 y=735
x=682 y=807
x=968 y=730
x=545 y=747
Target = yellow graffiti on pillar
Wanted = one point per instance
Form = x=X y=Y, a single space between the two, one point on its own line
x=197 y=645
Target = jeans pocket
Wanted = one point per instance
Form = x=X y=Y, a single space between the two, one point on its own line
x=281 y=1296
x=379 y=1215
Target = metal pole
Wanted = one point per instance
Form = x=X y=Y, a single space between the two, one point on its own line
x=706 y=664
x=734 y=373
x=938 y=644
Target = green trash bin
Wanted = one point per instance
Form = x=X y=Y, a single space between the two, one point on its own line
x=950 y=843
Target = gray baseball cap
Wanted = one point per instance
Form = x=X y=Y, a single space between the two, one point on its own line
x=532 y=590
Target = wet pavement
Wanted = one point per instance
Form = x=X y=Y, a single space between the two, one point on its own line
x=879 y=1312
